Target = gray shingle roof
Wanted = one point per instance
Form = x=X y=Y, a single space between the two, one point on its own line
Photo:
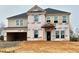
x=19 y=15
x=50 y=11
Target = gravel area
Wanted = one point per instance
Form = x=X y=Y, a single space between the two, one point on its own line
x=7 y=44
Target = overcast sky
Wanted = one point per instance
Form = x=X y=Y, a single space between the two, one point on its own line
x=11 y=10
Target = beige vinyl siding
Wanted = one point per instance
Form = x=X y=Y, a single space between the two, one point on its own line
x=12 y=22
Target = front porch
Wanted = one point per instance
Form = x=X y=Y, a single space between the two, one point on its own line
x=48 y=31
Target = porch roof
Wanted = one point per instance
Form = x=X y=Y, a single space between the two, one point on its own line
x=48 y=26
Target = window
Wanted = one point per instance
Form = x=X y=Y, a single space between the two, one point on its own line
x=57 y=34
x=35 y=33
x=19 y=22
x=62 y=34
x=55 y=19
x=64 y=19
x=48 y=17
x=36 y=18
x=48 y=21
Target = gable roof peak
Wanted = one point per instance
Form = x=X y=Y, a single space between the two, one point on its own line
x=36 y=8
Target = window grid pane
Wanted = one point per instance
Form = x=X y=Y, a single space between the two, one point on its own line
x=36 y=17
x=55 y=18
x=21 y=22
x=57 y=34
x=48 y=21
x=64 y=19
x=17 y=22
x=48 y=17
x=62 y=34
x=35 y=33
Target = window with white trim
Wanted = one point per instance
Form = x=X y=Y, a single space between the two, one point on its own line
x=62 y=34
x=57 y=34
x=65 y=18
x=19 y=22
x=55 y=19
x=48 y=19
x=36 y=18
x=35 y=33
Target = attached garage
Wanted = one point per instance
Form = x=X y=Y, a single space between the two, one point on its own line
x=16 y=36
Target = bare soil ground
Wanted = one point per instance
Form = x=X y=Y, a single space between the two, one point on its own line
x=40 y=47
x=48 y=47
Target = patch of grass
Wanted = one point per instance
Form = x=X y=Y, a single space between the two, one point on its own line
x=8 y=50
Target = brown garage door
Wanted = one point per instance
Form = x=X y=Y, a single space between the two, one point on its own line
x=16 y=36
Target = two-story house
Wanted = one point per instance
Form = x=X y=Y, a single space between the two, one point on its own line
x=39 y=24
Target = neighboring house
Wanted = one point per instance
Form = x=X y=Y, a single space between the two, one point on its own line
x=39 y=24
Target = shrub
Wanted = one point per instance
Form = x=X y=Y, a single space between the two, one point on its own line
x=74 y=39
x=1 y=38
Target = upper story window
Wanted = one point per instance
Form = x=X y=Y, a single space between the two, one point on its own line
x=48 y=21
x=55 y=19
x=19 y=22
x=35 y=33
x=64 y=19
x=48 y=17
x=36 y=18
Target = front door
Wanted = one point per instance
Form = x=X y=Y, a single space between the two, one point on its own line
x=48 y=35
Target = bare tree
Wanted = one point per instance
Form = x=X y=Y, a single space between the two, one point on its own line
x=71 y=33
x=77 y=32
x=2 y=25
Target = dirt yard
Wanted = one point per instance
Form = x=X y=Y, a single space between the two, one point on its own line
x=43 y=46
x=48 y=47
